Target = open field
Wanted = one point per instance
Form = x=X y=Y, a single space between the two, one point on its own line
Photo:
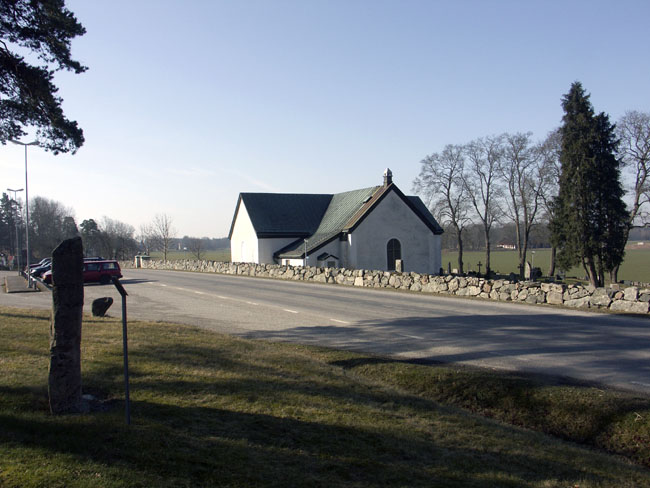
x=218 y=255
x=213 y=410
x=636 y=266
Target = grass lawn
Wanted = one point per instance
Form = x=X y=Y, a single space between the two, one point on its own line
x=213 y=410
x=635 y=267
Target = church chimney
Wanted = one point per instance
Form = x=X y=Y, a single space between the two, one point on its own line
x=388 y=177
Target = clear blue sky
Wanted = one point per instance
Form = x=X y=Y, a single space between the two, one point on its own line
x=187 y=103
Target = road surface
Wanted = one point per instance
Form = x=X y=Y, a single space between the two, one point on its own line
x=609 y=349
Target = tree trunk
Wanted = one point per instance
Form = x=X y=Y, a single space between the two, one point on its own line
x=551 y=268
x=460 y=251
x=522 y=257
x=592 y=273
x=613 y=274
x=488 y=270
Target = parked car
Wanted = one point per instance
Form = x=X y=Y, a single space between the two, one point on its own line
x=41 y=262
x=95 y=271
x=40 y=266
x=101 y=271
x=41 y=270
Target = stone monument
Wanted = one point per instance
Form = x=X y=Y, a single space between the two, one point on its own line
x=64 y=381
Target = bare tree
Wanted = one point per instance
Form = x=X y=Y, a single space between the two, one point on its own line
x=164 y=232
x=50 y=222
x=481 y=183
x=525 y=178
x=196 y=247
x=633 y=131
x=117 y=239
x=147 y=238
x=551 y=168
x=441 y=184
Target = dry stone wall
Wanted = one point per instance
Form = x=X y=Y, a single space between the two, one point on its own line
x=632 y=299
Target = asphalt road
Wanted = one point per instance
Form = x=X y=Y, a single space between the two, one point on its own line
x=610 y=349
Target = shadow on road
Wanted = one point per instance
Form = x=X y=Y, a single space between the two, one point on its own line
x=602 y=348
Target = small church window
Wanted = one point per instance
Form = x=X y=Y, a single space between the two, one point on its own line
x=394 y=252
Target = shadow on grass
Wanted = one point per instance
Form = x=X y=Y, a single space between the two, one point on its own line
x=211 y=446
x=39 y=317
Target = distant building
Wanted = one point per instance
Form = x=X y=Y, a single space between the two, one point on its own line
x=369 y=228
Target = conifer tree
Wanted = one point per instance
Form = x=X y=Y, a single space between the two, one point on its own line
x=590 y=216
x=35 y=41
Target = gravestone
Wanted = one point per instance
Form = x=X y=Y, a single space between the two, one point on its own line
x=64 y=381
x=399 y=265
x=527 y=271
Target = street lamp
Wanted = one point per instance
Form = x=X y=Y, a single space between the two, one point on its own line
x=16 y=222
x=25 y=144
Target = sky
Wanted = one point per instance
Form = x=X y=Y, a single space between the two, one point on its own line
x=186 y=104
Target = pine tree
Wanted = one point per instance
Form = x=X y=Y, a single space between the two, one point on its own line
x=589 y=223
x=35 y=41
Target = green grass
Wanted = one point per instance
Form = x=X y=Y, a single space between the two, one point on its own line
x=218 y=255
x=635 y=267
x=213 y=410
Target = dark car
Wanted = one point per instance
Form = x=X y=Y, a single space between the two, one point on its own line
x=95 y=271
x=39 y=267
x=41 y=270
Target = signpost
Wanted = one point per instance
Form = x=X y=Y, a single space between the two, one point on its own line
x=123 y=293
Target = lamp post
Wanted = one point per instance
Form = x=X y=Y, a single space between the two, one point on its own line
x=16 y=222
x=25 y=144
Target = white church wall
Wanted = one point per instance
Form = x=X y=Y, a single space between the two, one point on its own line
x=393 y=219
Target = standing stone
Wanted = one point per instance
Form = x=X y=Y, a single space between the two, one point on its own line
x=64 y=382
x=528 y=271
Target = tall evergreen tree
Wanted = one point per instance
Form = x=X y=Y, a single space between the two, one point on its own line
x=589 y=221
x=35 y=41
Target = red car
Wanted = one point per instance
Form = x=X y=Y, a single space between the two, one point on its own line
x=101 y=271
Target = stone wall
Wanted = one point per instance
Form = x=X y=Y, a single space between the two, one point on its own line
x=632 y=299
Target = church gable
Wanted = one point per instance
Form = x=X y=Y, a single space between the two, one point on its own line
x=303 y=227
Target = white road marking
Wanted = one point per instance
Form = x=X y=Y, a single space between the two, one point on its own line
x=223 y=298
x=290 y=311
x=199 y=293
x=411 y=336
x=340 y=321
x=252 y=303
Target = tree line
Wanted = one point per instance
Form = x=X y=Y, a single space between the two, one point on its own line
x=50 y=222
x=568 y=187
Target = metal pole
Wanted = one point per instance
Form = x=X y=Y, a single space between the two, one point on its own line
x=125 y=348
x=126 y=363
x=29 y=275
x=25 y=144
